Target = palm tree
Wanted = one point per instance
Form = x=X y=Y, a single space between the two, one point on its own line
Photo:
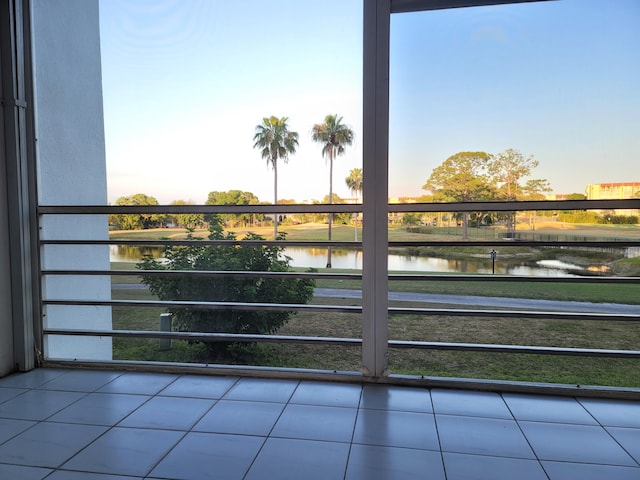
x=334 y=137
x=276 y=142
x=354 y=183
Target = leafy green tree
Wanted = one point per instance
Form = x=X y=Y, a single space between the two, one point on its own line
x=275 y=142
x=461 y=178
x=341 y=218
x=354 y=183
x=535 y=189
x=507 y=170
x=576 y=196
x=137 y=221
x=411 y=218
x=334 y=137
x=186 y=220
x=226 y=289
x=234 y=197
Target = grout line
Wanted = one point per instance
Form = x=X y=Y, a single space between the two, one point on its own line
x=268 y=436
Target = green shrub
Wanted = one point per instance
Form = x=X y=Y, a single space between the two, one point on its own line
x=226 y=289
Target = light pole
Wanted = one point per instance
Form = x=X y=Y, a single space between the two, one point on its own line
x=493 y=261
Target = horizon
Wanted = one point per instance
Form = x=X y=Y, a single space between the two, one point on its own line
x=357 y=200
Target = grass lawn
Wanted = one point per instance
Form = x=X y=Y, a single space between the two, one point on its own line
x=553 y=369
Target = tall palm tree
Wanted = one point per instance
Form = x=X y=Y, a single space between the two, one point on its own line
x=334 y=137
x=275 y=141
x=354 y=183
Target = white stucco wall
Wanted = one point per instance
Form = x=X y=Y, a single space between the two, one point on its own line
x=71 y=166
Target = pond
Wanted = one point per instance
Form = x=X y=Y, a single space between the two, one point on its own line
x=305 y=257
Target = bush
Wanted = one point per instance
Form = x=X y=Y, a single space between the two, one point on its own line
x=420 y=229
x=226 y=289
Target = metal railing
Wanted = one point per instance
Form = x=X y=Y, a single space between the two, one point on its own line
x=505 y=313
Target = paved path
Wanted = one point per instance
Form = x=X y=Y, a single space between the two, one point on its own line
x=520 y=303
x=479 y=301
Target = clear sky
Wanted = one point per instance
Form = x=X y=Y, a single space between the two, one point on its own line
x=186 y=81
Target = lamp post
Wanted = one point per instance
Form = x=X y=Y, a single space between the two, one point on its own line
x=493 y=261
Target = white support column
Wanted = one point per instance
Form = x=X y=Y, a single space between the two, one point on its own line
x=375 y=187
x=69 y=123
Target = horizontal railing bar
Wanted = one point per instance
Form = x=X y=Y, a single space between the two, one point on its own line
x=508 y=242
x=426 y=277
x=204 y=209
x=489 y=206
x=208 y=273
x=512 y=278
x=400 y=344
x=474 y=347
x=489 y=242
x=517 y=206
x=524 y=314
x=234 y=306
x=205 y=337
x=244 y=306
x=185 y=242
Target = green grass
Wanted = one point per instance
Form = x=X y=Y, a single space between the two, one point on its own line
x=516 y=331
x=318 y=231
x=597 y=292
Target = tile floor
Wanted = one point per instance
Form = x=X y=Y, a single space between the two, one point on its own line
x=60 y=424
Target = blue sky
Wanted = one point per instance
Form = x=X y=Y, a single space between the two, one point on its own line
x=186 y=81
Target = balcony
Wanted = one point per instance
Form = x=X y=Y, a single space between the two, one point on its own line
x=106 y=424
x=409 y=331
x=377 y=400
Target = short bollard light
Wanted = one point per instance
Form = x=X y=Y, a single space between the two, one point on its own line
x=493 y=261
x=165 y=326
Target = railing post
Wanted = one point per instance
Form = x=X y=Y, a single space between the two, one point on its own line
x=165 y=326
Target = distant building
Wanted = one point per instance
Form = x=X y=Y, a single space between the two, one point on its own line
x=614 y=191
x=609 y=191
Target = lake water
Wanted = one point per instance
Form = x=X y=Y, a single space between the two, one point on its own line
x=317 y=258
x=351 y=259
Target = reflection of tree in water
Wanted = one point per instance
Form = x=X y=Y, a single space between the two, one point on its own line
x=134 y=252
x=336 y=252
x=464 y=266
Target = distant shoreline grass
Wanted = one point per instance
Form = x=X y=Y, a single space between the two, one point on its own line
x=344 y=233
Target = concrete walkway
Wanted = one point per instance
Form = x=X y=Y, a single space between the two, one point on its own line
x=479 y=301
x=504 y=302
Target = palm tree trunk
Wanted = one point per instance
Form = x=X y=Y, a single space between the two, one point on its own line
x=330 y=202
x=355 y=219
x=355 y=230
x=275 y=199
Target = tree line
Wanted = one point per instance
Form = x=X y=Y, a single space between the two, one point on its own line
x=275 y=142
x=131 y=221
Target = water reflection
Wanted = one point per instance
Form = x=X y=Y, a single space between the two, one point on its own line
x=133 y=253
x=316 y=258
x=352 y=259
